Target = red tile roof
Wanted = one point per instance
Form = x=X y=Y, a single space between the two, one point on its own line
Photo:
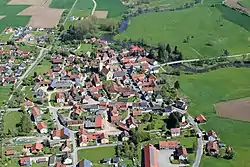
x=136 y=112
x=10 y=152
x=41 y=125
x=150 y=156
x=169 y=144
x=98 y=121
x=200 y=118
x=35 y=111
x=36 y=147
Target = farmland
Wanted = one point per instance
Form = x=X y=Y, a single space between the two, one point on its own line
x=205 y=90
x=222 y=29
x=114 y=7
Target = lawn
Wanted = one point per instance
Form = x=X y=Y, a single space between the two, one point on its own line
x=210 y=30
x=11 y=119
x=84 y=48
x=5 y=37
x=96 y=154
x=204 y=90
x=5 y=93
x=114 y=7
x=43 y=67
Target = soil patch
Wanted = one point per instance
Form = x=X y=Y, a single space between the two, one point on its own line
x=235 y=109
x=29 y=2
x=101 y=14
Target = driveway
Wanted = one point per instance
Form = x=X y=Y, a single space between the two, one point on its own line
x=163 y=158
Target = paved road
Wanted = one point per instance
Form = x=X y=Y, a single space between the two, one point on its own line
x=93 y=10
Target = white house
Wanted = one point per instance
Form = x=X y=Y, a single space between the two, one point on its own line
x=175 y=132
x=42 y=127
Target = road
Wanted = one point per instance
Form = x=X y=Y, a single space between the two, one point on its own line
x=31 y=67
x=70 y=12
x=93 y=10
x=199 y=151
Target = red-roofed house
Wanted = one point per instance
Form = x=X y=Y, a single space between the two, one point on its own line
x=36 y=114
x=42 y=127
x=36 y=148
x=25 y=161
x=99 y=122
x=181 y=153
x=168 y=144
x=175 y=132
x=150 y=156
x=104 y=138
x=83 y=140
x=136 y=49
x=59 y=97
x=200 y=119
x=57 y=61
x=136 y=112
x=9 y=152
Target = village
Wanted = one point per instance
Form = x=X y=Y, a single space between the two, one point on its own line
x=104 y=98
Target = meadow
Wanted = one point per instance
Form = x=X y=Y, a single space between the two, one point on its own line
x=203 y=91
x=11 y=19
x=114 y=7
x=245 y=3
x=5 y=93
x=11 y=119
x=209 y=30
x=62 y=4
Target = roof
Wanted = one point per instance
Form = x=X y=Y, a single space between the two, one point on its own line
x=59 y=95
x=10 y=152
x=181 y=151
x=25 y=160
x=175 y=130
x=36 y=146
x=98 y=121
x=136 y=112
x=59 y=164
x=104 y=136
x=85 y=163
x=211 y=133
x=150 y=156
x=211 y=145
x=41 y=125
x=168 y=144
x=35 y=111
x=136 y=48
x=201 y=118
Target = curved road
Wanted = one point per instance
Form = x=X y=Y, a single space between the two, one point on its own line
x=93 y=10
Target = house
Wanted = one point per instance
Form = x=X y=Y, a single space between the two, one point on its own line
x=212 y=147
x=150 y=156
x=181 y=153
x=61 y=84
x=181 y=104
x=116 y=160
x=60 y=134
x=52 y=160
x=9 y=152
x=57 y=61
x=83 y=140
x=66 y=147
x=200 y=119
x=99 y=124
x=106 y=161
x=25 y=161
x=104 y=138
x=175 y=132
x=124 y=136
x=59 y=164
x=136 y=112
x=159 y=99
x=36 y=148
x=66 y=158
x=130 y=122
x=212 y=136
x=119 y=75
x=42 y=127
x=172 y=144
x=107 y=74
x=59 y=97
x=36 y=114
x=85 y=163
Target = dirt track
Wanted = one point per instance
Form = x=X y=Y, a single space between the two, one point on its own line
x=235 y=109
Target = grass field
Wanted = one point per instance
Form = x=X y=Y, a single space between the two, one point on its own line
x=84 y=48
x=114 y=7
x=96 y=154
x=41 y=69
x=213 y=29
x=204 y=90
x=245 y=3
x=11 y=119
x=5 y=92
x=5 y=37
x=62 y=4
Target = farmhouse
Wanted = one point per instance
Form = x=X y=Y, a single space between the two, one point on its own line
x=200 y=119
x=168 y=144
x=212 y=147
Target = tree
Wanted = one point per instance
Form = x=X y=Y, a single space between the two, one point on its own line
x=173 y=120
x=25 y=124
x=176 y=50
x=146 y=117
x=168 y=49
x=164 y=128
x=23 y=108
x=35 y=75
x=177 y=85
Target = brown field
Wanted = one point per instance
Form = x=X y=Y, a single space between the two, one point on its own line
x=235 y=109
x=1 y=17
x=41 y=15
x=101 y=14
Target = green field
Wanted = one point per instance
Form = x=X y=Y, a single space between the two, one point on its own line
x=210 y=29
x=96 y=154
x=84 y=48
x=114 y=7
x=11 y=19
x=204 y=90
x=5 y=93
x=245 y=3
x=43 y=67
x=11 y=119
x=67 y=4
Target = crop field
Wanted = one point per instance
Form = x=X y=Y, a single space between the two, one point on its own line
x=114 y=7
x=209 y=30
x=204 y=91
x=62 y=4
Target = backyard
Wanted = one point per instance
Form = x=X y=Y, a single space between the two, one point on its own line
x=96 y=154
x=205 y=90
x=222 y=29
x=11 y=119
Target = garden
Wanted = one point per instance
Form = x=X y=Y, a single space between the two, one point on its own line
x=205 y=90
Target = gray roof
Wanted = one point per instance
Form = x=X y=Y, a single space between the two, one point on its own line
x=61 y=84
